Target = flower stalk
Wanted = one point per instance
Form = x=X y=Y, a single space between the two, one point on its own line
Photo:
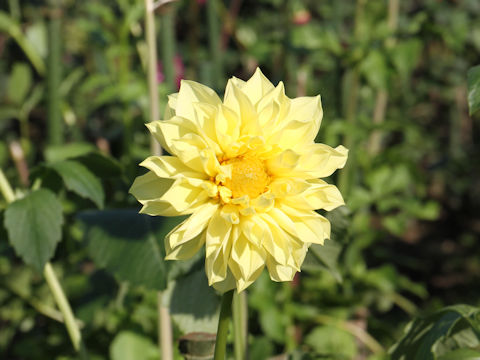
x=223 y=323
x=240 y=319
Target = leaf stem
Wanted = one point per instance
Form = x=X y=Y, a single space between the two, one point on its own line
x=5 y=188
x=63 y=305
x=223 y=322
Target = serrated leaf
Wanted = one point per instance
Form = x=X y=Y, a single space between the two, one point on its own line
x=34 y=226
x=129 y=245
x=473 y=76
x=128 y=345
x=188 y=313
x=80 y=180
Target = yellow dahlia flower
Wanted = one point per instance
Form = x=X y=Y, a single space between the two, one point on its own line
x=247 y=172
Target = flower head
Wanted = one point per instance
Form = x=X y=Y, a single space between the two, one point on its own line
x=247 y=171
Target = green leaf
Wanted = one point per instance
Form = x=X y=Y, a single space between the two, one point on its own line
x=13 y=28
x=56 y=153
x=19 y=82
x=260 y=349
x=85 y=153
x=101 y=165
x=331 y=340
x=129 y=245
x=34 y=226
x=188 y=313
x=405 y=56
x=128 y=345
x=465 y=338
x=474 y=89
x=375 y=69
x=324 y=257
x=80 y=180
x=423 y=334
x=461 y=354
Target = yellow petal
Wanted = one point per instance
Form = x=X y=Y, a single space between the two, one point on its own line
x=237 y=101
x=226 y=284
x=256 y=87
x=227 y=128
x=165 y=131
x=205 y=115
x=184 y=196
x=317 y=194
x=220 y=235
x=192 y=226
x=185 y=251
x=170 y=167
x=279 y=272
x=171 y=106
x=246 y=261
x=310 y=227
x=180 y=198
x=276 y=241
x=321 y=160
x=191 y=92
x=150 y=186
x=317 y=161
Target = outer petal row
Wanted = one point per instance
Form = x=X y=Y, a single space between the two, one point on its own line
x=315 y=161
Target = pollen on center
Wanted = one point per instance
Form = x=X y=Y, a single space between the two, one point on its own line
x=249 y=176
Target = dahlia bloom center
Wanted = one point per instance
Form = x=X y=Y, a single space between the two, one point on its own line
x=249 y=176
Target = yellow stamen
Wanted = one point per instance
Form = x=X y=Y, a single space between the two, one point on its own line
x=249 y=176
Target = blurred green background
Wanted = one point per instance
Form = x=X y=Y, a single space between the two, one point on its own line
x=393 y=80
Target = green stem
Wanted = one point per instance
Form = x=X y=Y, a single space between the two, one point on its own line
x=223 y=323
x=351 y=86
x=55 y=131
x=240 y=325
x=214 y=35
x=168 y=46
x=152 y=71
x=63 y=305
x=6 y=189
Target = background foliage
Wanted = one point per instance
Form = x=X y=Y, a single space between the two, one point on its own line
x=393 y=79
